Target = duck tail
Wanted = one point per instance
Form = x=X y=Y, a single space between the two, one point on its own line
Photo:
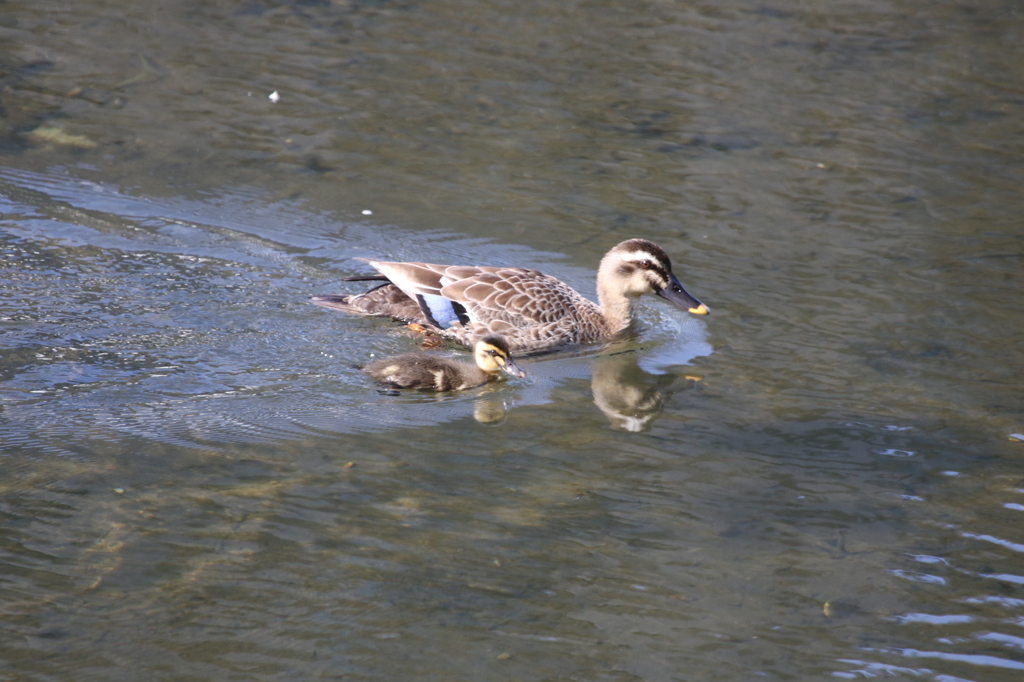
x=337 y=302
x=385 y=300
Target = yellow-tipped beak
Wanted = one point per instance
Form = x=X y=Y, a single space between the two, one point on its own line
x=676 y=294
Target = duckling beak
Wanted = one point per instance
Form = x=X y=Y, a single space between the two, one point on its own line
x=510 y=367
x=675 y=293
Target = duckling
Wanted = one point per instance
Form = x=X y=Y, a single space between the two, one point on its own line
x=533 y=311
x=435 y=373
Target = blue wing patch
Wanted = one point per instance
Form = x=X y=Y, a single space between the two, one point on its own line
x=441 y=312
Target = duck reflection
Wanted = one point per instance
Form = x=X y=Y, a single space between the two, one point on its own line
x=629 y=396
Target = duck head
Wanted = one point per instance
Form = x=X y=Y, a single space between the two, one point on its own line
x=492 y=356
x=637 y=267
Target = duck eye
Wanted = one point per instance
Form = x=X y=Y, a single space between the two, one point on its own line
x=646 y=264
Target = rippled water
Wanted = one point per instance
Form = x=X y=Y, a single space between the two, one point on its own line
x=821 y=479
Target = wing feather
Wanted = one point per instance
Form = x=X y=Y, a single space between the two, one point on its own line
x=412 y=278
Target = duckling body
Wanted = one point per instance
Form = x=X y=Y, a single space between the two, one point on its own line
x=533 y=311
x=437 y=373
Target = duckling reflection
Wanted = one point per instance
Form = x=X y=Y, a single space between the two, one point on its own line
x=438 y=373
x=631 y=398
x=490 y=410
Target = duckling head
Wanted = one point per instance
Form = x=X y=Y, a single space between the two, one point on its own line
x=637 y=267
x=492 y=356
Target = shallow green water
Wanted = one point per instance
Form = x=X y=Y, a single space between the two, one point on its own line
x=818 y=480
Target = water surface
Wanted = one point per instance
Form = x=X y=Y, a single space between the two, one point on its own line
x=818 y=480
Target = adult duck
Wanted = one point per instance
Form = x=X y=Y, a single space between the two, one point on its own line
x=533 y=311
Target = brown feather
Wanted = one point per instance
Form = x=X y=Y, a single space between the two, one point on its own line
x=535 y=312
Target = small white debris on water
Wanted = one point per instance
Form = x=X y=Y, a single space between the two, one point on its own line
x=367 y=211
x=1017 y=436
x=274 y=97
x=897 y=453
